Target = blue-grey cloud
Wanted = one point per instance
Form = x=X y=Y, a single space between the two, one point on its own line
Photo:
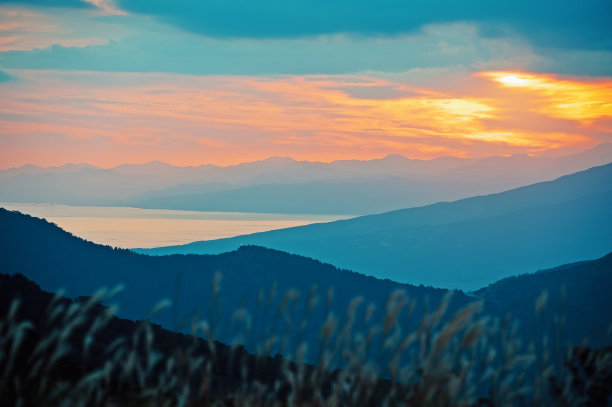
x=51 y=3
x=551 y=23
x=190 y=54
x=4 y=77
x=178 y=52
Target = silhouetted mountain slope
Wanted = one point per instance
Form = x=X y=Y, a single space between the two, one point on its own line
x=55 y=259
x=463 y=244
x=580 y=292
x=33 y=307
x=230 y=369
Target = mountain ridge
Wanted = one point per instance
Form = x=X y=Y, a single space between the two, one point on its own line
x=345 y=243
x=602 y=150
x=55 y=259
x=399 y=182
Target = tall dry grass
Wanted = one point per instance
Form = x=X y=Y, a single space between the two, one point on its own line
x=78 y=354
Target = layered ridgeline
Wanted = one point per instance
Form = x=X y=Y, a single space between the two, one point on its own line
x=55 y=259
x=256 y=278
x=283 y=185
x=367 y=187
x=464 y=244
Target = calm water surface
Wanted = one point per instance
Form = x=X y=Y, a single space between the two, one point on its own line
x=144 y=228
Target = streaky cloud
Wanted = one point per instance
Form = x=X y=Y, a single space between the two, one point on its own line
x=51 y=3
x=159 y=48
x=5 y=77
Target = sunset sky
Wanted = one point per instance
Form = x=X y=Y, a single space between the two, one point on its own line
x=193 y=82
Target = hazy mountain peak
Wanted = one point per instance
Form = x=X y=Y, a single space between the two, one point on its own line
x=35 y=169
x=601 y=147
x=270 y=162
x=279 y=159
x=601 y=153
x=148 y=165
x=25 y=167
x=397 y=158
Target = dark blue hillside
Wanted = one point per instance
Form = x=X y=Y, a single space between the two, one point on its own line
x=56 y=259
x=579 y=292
x=464 y=244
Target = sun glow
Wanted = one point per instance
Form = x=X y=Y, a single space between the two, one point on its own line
x=514 y=80
x=575 y=99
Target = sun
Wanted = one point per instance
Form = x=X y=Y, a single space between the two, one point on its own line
x=514 y=80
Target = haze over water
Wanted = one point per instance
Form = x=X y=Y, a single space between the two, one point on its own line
x=144 y=228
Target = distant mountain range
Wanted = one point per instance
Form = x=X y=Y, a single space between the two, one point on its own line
x=55 y=259
x=283 y=185
x=464 y=244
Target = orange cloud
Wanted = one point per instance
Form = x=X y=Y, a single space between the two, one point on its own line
x=563 y=98
x=196 y=119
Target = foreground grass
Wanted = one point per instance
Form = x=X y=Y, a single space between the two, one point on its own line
x=59 y=352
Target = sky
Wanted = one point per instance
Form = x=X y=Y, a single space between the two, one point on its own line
x=228 y=81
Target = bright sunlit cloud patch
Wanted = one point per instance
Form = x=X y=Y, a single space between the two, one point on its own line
x=563 y=98
x=513 y=79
